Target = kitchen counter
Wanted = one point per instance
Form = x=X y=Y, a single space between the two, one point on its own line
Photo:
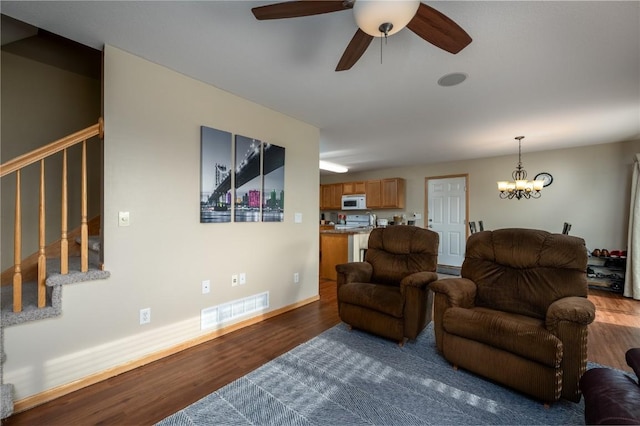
x=361 y=230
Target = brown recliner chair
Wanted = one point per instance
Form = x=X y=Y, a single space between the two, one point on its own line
x=519 y=313
x=388 y=293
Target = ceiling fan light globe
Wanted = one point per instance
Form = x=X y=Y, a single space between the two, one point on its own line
x=370 y=14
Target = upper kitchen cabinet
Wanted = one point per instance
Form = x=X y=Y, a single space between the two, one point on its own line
x=385 y=193
x=374 y=194
x=331 y=196
x=350 y=188
x=381 y=193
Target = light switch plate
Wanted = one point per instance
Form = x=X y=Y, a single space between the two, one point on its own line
x=297 y=218
x=123 y=218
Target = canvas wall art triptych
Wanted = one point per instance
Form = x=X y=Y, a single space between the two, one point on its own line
x=241 y=178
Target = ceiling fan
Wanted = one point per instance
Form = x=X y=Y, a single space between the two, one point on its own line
x=376 y=18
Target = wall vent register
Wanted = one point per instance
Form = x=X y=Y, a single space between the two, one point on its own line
x=218 y=315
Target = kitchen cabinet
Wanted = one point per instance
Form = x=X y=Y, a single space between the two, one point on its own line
x=350 y=188
x=331 y=196
x=374 y=194
x=340 y=247
x=386 y=193
x=334 y=250
x=381 y=193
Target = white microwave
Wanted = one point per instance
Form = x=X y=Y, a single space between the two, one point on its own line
x=354 y=202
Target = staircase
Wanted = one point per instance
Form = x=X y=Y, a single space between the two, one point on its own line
x=31 y=289
x=54 y=282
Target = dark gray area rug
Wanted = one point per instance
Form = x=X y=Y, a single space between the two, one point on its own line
x=344 y=377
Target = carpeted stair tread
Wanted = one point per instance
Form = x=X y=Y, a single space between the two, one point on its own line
x=93 y=243
x=54 y=283
x=74 y=276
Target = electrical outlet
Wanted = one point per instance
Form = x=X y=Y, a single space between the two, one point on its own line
x=145 y=316
x=296 y=277
x=234 y=280
x=206 y=286
x=243 y=278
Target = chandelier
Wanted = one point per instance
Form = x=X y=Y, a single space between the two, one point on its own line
x=520 y=187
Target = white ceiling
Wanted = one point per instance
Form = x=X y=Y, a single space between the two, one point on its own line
x=563 y=73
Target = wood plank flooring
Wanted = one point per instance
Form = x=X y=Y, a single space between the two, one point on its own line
x=615 y=329
x=150 y=393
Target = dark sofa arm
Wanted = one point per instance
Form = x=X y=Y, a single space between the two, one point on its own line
x=610 y=397
x=633 y=360
x=459 y=292
x=359 y=272
x=574 y=309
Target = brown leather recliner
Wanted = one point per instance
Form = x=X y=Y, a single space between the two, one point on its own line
x=519 y=313
x=388 y=293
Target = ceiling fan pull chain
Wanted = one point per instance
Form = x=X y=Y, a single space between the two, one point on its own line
x=384 y=30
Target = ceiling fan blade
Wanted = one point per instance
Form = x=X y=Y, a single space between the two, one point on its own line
x=295 y=9
x=354 y=50
x=438 y=29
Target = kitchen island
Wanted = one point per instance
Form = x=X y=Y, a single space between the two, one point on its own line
x=341 y=246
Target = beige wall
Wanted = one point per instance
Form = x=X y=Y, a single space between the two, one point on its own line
x=152 y=170
x=590 y=190
x=42 y=103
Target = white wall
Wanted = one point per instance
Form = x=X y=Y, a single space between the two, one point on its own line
x=590 y=190
x=152 y=169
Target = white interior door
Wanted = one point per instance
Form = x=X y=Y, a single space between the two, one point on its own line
x=447 y=215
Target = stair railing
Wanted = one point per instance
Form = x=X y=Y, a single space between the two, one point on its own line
x=39 y=155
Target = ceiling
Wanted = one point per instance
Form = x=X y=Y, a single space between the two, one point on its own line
x=563 y=74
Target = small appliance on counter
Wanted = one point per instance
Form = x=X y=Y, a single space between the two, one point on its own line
x=382 y=223
x=355 y=221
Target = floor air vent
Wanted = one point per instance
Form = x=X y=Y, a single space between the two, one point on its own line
x=218 y=315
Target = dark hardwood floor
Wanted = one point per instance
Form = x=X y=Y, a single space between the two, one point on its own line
x=150 y=393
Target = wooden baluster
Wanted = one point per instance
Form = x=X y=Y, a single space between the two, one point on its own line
x=42 y=258
x=84 y=231
x=64 y=241
x=17 y=251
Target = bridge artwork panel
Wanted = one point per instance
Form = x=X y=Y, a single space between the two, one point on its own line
x=252 y=187
x=215 y=175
